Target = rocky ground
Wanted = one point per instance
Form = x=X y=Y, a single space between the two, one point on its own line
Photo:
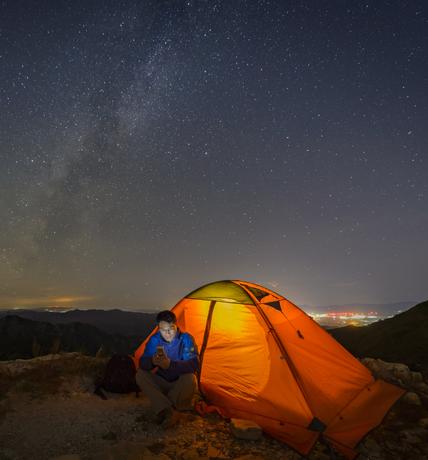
x=48 y=411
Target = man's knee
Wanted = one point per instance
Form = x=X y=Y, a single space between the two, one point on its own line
x=143 y=374
x=184 y=390
x=143 y=377
x=187 y=380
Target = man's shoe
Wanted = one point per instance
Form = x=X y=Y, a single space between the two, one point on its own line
x=171 y=418
x=160 y=416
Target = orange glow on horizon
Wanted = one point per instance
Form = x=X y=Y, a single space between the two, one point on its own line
x=43 y=301
x=69 y=299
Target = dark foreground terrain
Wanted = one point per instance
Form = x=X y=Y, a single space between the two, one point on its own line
x=48 y=410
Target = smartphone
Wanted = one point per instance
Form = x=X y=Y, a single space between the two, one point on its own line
x=160 y=351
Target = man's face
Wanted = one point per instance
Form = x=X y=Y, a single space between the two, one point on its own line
x=167 y=330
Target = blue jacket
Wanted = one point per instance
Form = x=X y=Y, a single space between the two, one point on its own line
x=181 y=351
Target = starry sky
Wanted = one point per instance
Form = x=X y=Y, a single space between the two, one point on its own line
x=150 y=147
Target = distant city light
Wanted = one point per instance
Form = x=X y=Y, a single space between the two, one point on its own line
x=346 y=318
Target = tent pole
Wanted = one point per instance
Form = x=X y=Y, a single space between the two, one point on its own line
x=286 y=356
x=205 y=342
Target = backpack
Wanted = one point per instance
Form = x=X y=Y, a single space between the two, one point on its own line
x=119 y=377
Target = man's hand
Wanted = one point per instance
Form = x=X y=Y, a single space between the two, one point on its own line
x=161 y=361
x=164 y=362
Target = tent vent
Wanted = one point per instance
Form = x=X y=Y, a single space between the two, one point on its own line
x=317 y=425
x=257 y=292
x=300 y=335
x=275 y=305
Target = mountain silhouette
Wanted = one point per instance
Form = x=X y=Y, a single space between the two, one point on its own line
x=115 y=321
x=403 y=338
x=25 y=338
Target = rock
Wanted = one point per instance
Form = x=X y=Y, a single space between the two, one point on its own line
x=245 y=429
x=213 y=452
x=319 y=456
x=398 y=374
x=125 y=450
x=410 y=437
x=417 y=377
x=400 y=370
x=391 y=372
x=372 y=446
x=392 y=446
x=155 y=457
x=66 y=457
x=423 y=422
x=19 y=366
x=192 y=454
x=412 y=398
x=250 y=457
x=110 y=436
x=421 y=432
x=372 y=365
x=156 y=447
x=7 y=454
x=421 y=387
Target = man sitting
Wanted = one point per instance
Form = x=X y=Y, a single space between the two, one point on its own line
x=167 y=370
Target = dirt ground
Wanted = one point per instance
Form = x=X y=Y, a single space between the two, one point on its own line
x=48 y=409
x=86 y=425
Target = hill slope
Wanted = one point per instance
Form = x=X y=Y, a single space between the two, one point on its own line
x=24 y=338
x=111 y=321
x=403 y=338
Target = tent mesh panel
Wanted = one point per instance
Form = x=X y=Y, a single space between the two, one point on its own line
x=222 y=291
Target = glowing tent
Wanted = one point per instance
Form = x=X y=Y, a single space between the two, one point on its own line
x=264 y=359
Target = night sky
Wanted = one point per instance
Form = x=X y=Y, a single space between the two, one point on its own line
x=150 y=147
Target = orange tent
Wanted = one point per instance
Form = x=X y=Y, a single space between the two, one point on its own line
x=264 y=359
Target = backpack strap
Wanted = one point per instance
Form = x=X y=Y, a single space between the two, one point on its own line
x=99 y=392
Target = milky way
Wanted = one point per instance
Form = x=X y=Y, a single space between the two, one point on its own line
x=150 y=147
